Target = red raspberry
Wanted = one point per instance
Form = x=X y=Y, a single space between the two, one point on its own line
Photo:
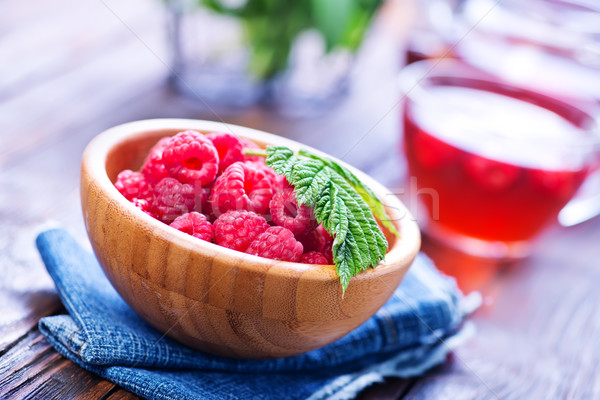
x=191 y=158
x=236 y=229
x=277 y=243
x=143 y=205
x=201 y=203
x=154 y=168
x=133 y=185
x=228 y=147
x=278 y=182
x=241 y=187
x=286 y=212
x=194 y=224
x=173 y=199
x=558 y=184
x=490 y=174
x=281 y=183
x=269 y=172
x=314 y=257
x=318 y=240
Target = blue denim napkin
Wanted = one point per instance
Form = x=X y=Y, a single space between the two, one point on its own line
x=411 y=333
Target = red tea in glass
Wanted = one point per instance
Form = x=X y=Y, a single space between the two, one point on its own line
x=500 y=162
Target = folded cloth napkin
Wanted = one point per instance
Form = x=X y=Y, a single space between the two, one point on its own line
x=412 y=332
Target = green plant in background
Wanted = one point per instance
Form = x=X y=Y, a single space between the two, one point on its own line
x=271 y=26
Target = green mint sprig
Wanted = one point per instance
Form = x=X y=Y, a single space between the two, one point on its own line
x=271 y=27
x=341 y=203
x=376 y=206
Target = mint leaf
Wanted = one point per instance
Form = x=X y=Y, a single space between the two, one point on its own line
x=332 y=19
x=331 y=190
x=376 y=206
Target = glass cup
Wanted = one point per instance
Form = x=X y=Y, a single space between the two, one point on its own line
x=493 y=163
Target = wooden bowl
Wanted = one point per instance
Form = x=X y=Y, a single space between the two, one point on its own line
x=212 y=298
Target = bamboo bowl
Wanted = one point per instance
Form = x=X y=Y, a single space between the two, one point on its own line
x=212 y=298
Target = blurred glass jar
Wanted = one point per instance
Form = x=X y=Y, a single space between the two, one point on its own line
x=433 y=31
x=293 y=58
x=548 y=45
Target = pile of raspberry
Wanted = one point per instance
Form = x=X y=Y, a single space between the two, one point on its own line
x=205 y=186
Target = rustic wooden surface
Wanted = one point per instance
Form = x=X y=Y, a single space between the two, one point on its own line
x=70 y=69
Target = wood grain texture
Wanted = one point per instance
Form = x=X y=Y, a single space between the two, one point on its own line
x=216 y=299
x=120 y=394
x=390 y=389
x=538 y=328
x=61 y=84
x=31 y=369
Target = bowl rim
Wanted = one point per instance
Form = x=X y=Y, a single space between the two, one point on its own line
x=93 y=164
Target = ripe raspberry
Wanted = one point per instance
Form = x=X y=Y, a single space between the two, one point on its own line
x=286 y=212
x=269 y=172
x=228 y=147
x=281 y=183
x=314 y=257
x=278 y=182
x=490 y=174
x=558 y=184
x=277 y=243
x=194 y=224
x=201 y=203
x=236 y=229
x=191 y=158
x=318 y=240
x=173 y=199
x=154 y=168
x=241 y=187
x=143 y=205
x=133 y=185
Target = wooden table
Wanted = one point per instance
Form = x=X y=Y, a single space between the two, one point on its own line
x=70 y=69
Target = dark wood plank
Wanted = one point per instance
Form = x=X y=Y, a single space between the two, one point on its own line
x=65 y=103
x=120 y=394
x=537 y=331
x=390 y=389
x=22 y=311
x=56 y=84
x=71 y=39
x=32 y=369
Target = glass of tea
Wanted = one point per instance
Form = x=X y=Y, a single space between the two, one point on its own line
x=492 y=163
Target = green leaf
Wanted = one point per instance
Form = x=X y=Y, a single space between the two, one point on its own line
x=376 y=206
x=271 y=26
x=376 y=242
x=332 y=18
x=331 y=191
x=281 y=159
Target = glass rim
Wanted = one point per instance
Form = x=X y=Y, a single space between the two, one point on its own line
x=414 y=78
